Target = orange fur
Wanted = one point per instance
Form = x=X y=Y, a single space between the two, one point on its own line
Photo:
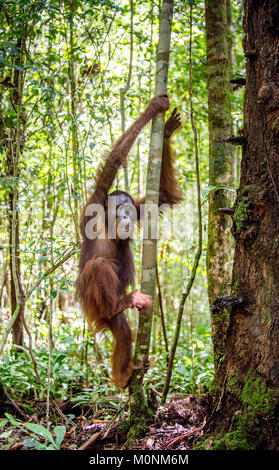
x=170 y=192
x=106 y=266
x=97 y=285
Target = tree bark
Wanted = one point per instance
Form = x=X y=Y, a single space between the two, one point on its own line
x=247 y=375
x=220 y=242
x=15 y=145
x=138 y=402
x=198 y=253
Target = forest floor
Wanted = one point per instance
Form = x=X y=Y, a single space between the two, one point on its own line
x=175 y=426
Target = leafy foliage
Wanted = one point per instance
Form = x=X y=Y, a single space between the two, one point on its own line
x=62 y=66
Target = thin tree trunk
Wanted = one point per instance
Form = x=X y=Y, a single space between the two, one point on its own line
x=138 y=402
x=160 y=300
x=74 y=124
x=124 y=90
x=16 y=139
x=154 y=325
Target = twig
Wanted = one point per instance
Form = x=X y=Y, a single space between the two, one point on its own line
x=182 y=438
x=15 y=405
x=104 y=432
x=233 y=140
x=155 y=391
x=60 y=412
x=50 y=270
x=90 y=441
x=16 y=446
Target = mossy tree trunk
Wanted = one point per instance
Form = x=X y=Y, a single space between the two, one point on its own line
x=220 y=251
x=248 y=378
x=198 y=253
x=138 y=404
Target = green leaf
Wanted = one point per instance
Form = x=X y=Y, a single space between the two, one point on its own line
x=3 y=422
x=41 y=431
x=42 y=260
x=28 y=443
x=6 y=434
x=13 y=421
x=17 y=67
x=39 y=445
x=211 y=189
x=71 y=416
x=60 y=433
x=68 y=340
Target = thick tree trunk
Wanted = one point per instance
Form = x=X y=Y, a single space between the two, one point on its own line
x=220 y=242
x=248 y=374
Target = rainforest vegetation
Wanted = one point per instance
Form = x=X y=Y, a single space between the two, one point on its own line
x=74 y=76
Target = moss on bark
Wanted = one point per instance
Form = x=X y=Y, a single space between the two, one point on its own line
x=244 y=199
x=252 y=402
x=220 y=243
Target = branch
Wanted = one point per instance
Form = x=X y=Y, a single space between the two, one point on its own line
x=233 y=140
x=226 y=210
x=50 y=270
